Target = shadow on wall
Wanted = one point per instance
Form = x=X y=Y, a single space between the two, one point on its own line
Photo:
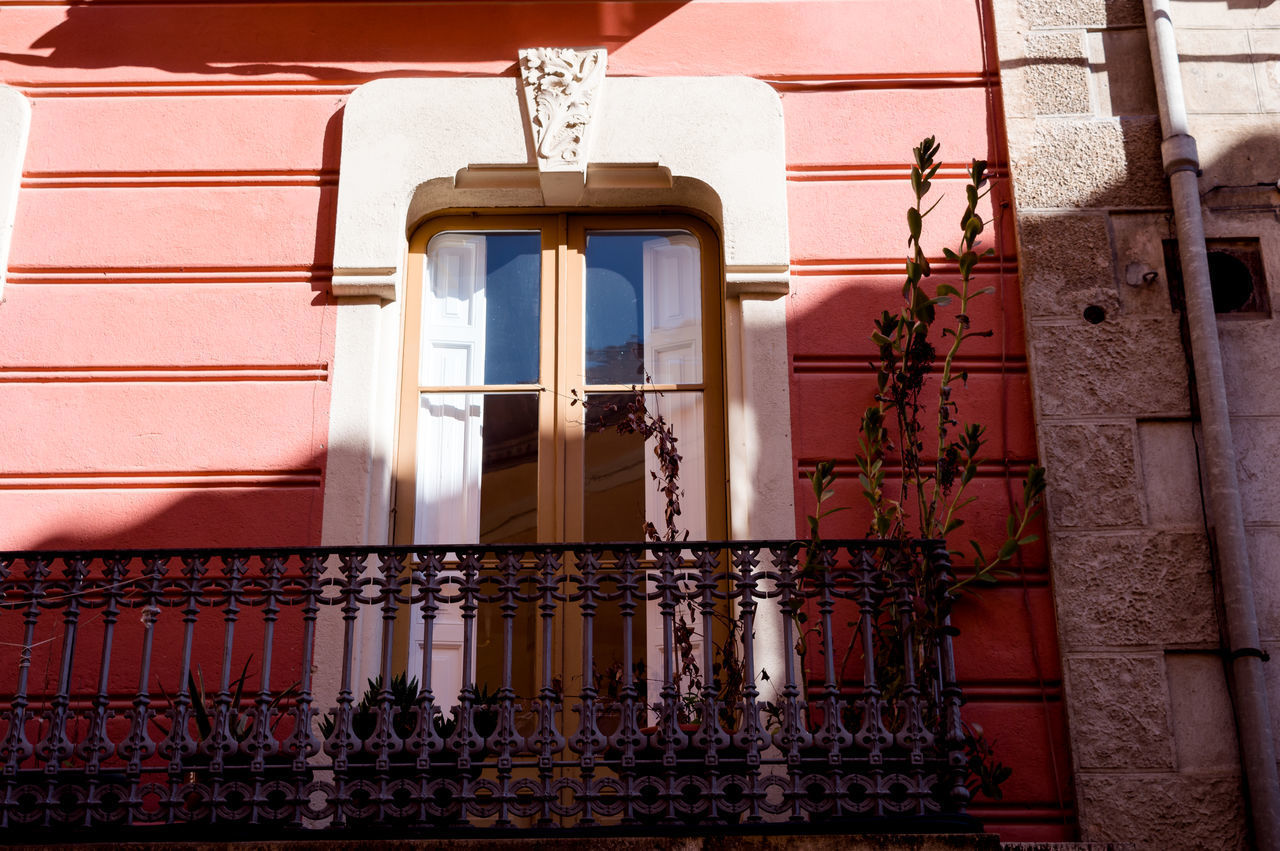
x=321 y=40
x=269 y=508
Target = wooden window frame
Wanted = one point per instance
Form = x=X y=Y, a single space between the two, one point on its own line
x=561 y=425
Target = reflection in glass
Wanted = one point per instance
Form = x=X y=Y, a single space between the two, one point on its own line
x=480 y=309
x=643 y=307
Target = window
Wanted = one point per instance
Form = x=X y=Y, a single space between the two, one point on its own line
x=508 y=321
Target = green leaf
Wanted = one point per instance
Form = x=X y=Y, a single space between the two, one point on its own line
x=914 y=222
x=1029 y=539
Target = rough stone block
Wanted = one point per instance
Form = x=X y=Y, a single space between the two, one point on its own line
x=1092 y=475
x=1084 y=163
x=1066 y=262
x=1119 y=710
x=1204 y=730
x=1170 y=475
x=1132 y=589
x=1173 y=812
x=1084 y=13
x=1130 y=366
x=1122 y=74
x=1057 y=73
x=1217 y=70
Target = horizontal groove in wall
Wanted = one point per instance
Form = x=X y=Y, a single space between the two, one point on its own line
x=849 y=266
x=863 y=364
x=988 y=468
x=168 y=275
x=194 y=87
x=150 y=179
x=878 y=171
x=787 y=84
x=834 y=82
x=1017 y=812
x=1032 y=691
x=160 y=480
x=44 y=375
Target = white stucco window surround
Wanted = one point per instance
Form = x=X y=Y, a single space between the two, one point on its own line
x=15 y=124
x=413 y=148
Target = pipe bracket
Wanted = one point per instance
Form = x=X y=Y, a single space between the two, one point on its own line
x=1180 y=154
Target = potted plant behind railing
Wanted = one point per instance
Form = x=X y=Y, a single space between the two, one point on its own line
x=403 y=704
x=230 y=745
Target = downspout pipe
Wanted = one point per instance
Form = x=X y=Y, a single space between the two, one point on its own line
x=1249 y=695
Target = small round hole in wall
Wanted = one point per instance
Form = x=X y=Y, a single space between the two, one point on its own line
x=1231 y=282
x=1093 y=314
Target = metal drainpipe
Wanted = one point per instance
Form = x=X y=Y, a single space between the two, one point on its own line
x=1181 y=164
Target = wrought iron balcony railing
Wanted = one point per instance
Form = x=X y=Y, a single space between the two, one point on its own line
x=538 y=685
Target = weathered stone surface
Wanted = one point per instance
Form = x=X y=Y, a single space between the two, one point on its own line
x=1170 y=474
x=1257 y=442
x=1163 y=813
x=1264 y=561
x=1237 y=151
x=1130 y=366
x=1119 y=711
x=1092 y=475
x=1266 y=44
x=1089 y=163
x=1139 y=258
x=1057 y=73
x=1122 y=74
x=1217 y=74
x=1084 y=13
x=1250 y=351
x=1066 y=263
x=1223 y=14
x=1271 y=675
x=1204 y=730
x=1132 y=589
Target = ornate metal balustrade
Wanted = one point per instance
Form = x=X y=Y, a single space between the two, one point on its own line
x=691 y=683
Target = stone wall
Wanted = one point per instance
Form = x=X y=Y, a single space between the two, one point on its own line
x=1153 y=740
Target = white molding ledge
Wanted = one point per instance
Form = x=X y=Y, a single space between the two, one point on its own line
x=15 y=125
x=414 y=147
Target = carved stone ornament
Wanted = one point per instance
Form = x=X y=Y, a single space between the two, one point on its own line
x=561 y=88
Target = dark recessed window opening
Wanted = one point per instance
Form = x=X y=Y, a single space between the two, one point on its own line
x=1237 y=277
x=1093 y=314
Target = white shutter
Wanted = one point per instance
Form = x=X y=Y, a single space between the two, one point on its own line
x=449 y=441
x=673 y=355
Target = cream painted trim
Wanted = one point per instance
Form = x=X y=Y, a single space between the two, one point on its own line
x=406 y=143
x=415 y=148
x=15 y=127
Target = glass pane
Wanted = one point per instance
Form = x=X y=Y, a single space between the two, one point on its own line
x=643 y=307
x=509 y=481
x=477 y=468
x=621 y=491
x=480 y=309
x=614 y=490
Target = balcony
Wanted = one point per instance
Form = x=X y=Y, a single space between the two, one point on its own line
x=570 y=686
